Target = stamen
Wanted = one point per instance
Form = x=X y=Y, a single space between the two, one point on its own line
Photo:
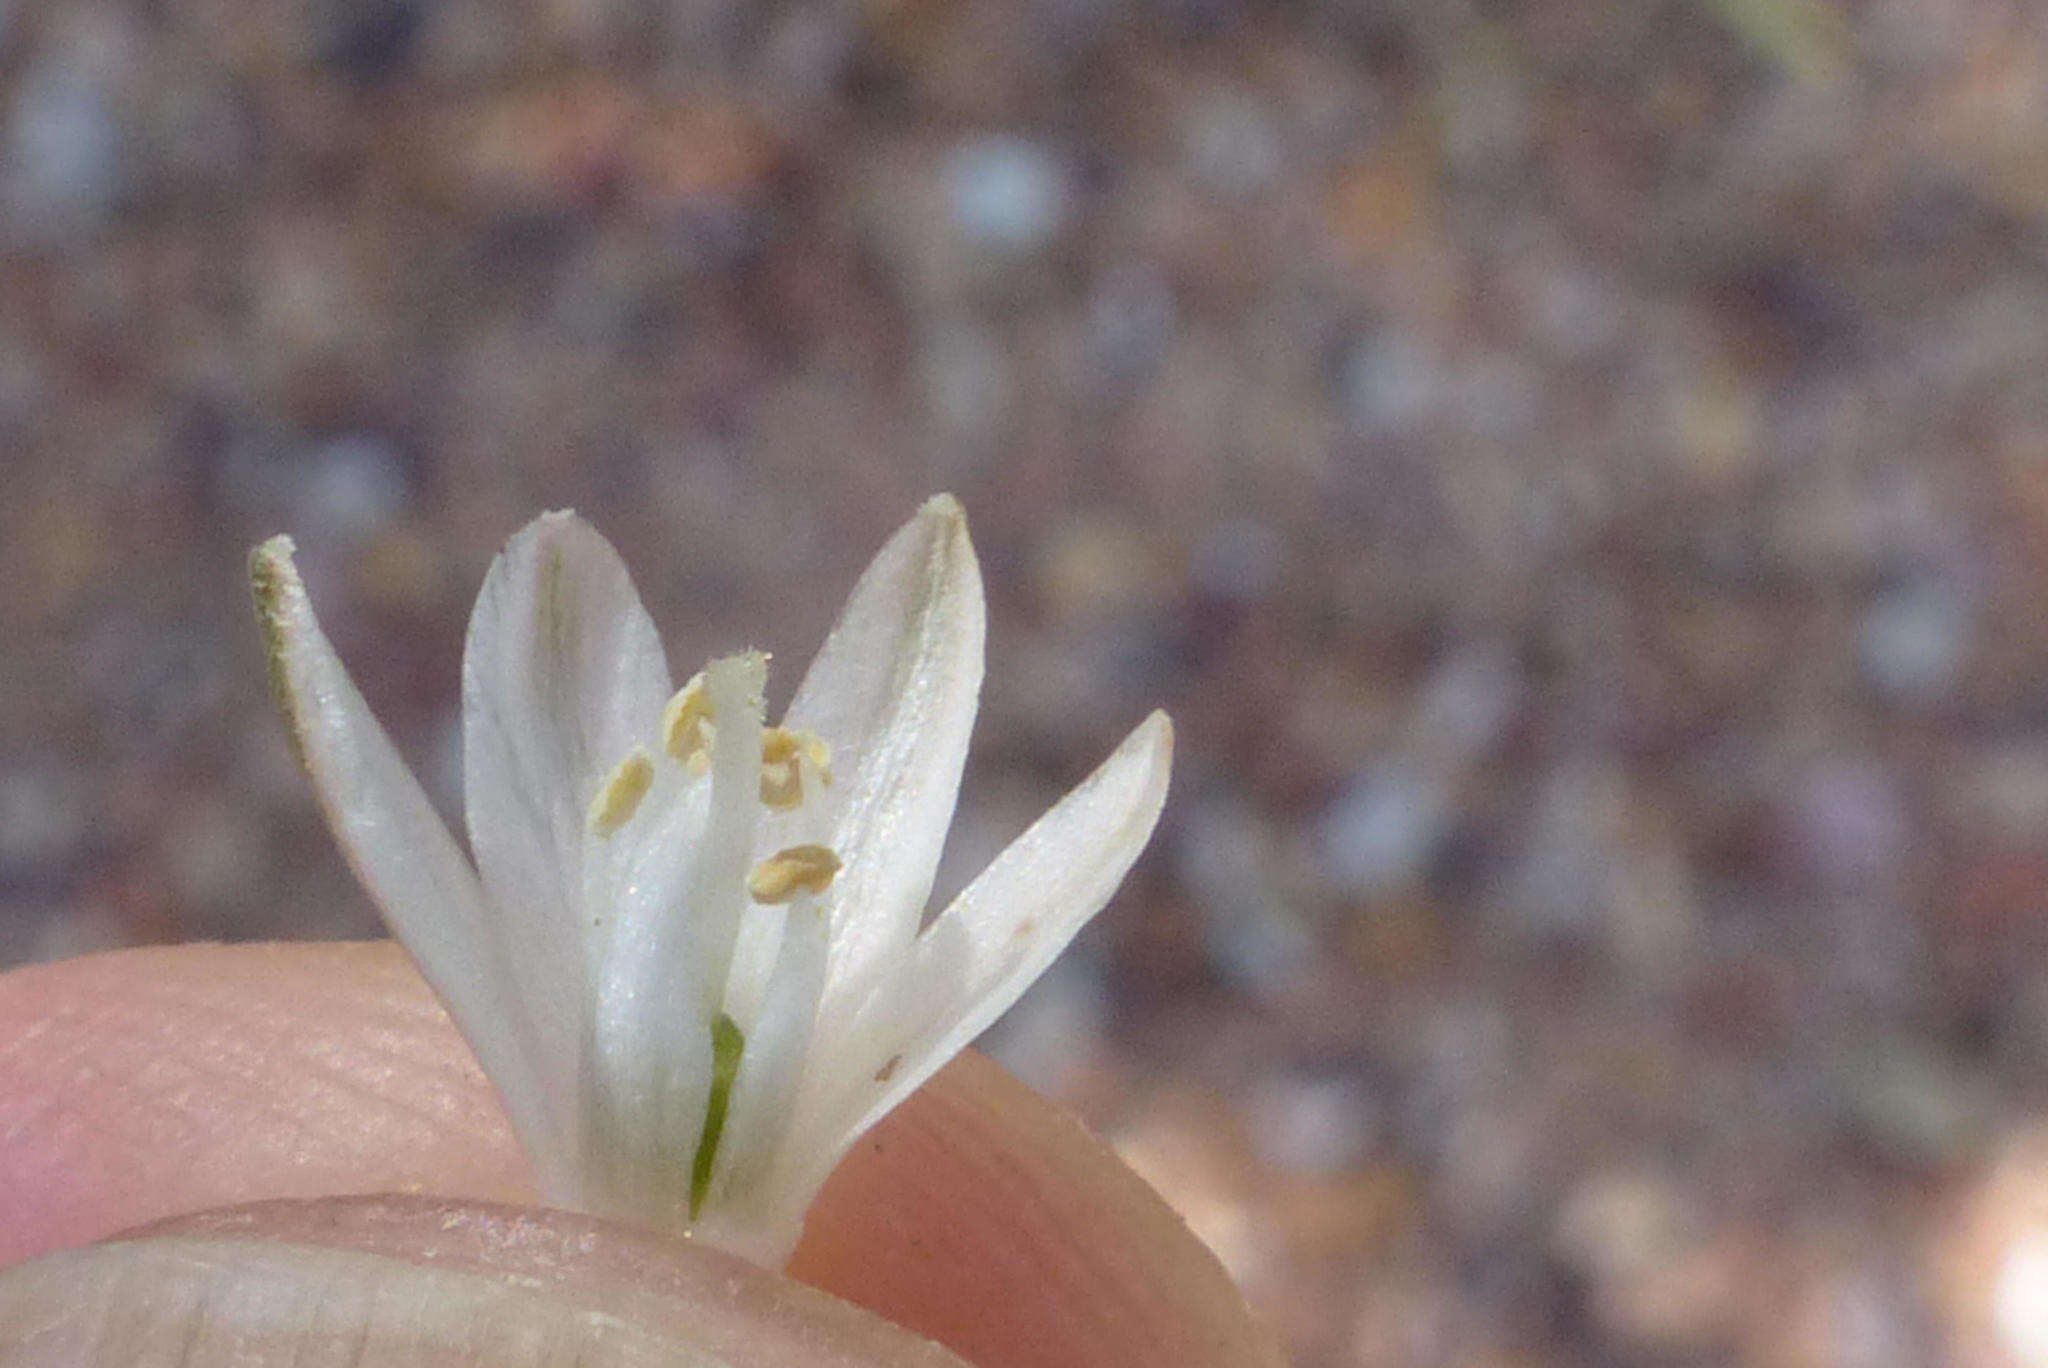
x=781 y=786
x=782 y=755
x=780 y=743
x=686 y=723
x=799 y=869
x=620 y=798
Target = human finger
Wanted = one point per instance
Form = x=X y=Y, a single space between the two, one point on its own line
x=147 y=1083
x=391 y=1281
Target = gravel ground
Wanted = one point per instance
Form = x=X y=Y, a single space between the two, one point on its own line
x=1576 y=470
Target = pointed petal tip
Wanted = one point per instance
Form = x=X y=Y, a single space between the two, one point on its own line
x=943 y=506
x=273 y=580
x=946 y=521
x=1155 y=736
x=280 y=600
x=1158 y=723
x=558 y=528
x=556 y=522
x=272 y=576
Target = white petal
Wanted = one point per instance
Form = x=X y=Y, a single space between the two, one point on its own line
x=779 y=1043
x=646 y=1089
x=1003 y=930
x=893 y=693
x=405 y=858
x=561 y=675
x=640 y=918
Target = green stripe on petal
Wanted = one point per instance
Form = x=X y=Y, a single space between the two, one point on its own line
x=727 y=1045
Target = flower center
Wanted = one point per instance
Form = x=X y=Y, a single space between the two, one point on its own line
x=793 y=763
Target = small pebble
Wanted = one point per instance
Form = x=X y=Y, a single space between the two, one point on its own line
x=1007 y=193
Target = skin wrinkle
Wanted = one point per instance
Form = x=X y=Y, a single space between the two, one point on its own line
x=329 y=1091
x=431 y=1083
x=347 y=1091
x=381 y=1055
x=35 y=1107
x=399 y=1048
x=100 y=1347
x=200 y=1316
x=125 y=1083
x=318 y=1098
x=360 y=1348
x=48 y=1105
x=236 y=1015
x=398 y=1051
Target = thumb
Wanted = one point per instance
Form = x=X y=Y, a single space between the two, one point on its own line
x=417 y=1282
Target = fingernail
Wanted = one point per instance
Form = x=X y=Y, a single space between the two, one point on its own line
x=399 y=1282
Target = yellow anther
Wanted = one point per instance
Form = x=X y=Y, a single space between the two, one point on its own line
x=799 y=869
x=783 y=755
x=620 y=797
x=782 y=787
x=686 y=723
x=780 y=743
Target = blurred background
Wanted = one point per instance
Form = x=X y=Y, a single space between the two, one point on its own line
x=1576 y=470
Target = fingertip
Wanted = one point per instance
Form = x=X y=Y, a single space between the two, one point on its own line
x=145 y=1083
x=987 y=1218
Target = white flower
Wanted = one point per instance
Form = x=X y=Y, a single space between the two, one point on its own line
x=691 y=952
